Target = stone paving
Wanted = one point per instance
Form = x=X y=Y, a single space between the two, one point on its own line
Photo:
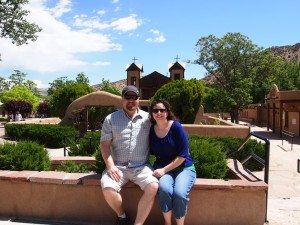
x=284 y=181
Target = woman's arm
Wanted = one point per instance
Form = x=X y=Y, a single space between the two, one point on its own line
x=172 y=165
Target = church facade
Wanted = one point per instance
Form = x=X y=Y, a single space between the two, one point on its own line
x=149 y=84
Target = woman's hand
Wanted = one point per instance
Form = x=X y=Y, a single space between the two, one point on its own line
x=159 y=172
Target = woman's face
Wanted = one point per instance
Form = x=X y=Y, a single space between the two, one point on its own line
x=159 y=112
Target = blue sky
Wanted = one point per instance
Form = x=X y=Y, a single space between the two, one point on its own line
x=101 y=37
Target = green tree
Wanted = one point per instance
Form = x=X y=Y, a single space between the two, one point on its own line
x=82 y=79
x=13 y=23
x=61 y=82
x=63 y=97
x=238 y=66
x=18 y=79
x=185 y=97
x=106 y=86
x=289 y=79
x=19 y=93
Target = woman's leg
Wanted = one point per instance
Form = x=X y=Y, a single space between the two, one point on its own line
x=183 y=184
x=165 y=196
x=168 y=217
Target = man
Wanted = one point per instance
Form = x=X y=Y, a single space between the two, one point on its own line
x=125 y=149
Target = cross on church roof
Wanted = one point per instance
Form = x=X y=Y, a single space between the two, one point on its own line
x=177 y=58
x=134 y=59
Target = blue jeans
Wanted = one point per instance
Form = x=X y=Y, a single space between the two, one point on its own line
x=174 y=188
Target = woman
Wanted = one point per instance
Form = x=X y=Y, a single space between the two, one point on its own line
x=174 y=165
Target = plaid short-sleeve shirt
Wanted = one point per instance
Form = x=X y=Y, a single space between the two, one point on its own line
x=130 y=137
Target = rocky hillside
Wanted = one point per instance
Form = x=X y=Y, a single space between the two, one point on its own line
x=288 y=52
x=120 y=84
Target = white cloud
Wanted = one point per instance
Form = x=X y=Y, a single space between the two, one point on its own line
x=115 y=1
x=101 y=12
x=94 y=23
x=158 y=37
x=40 y=84
x=122 y=24
x=58 y=46
x=127 y=23
x=63 y=6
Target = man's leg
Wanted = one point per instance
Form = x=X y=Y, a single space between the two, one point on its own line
x=146 y=202
x=114 y=200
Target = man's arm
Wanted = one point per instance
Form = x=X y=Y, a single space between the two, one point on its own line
x=112 y=170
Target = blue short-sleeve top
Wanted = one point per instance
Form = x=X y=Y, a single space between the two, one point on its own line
x=174 y=144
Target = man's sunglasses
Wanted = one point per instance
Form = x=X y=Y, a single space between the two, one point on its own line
x=131 y=97
x=158 y=110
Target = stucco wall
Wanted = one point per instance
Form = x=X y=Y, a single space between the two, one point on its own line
x=60 y=196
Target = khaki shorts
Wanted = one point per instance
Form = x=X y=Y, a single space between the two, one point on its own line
x=141 y=176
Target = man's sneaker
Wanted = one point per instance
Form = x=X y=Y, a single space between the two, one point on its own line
x=123 y=221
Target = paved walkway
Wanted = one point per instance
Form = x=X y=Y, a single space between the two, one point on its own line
x=284 y=181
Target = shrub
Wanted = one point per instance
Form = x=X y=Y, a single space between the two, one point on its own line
x=50 y=135
x=100 y=164
x=210 y=161
x=25 y=155
x=71 y=167
x=228 y=144
x=85 y=146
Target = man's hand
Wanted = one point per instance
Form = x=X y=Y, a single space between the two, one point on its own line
x=115 y=173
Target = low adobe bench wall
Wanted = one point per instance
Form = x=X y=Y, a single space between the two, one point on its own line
x=77 y=197
x=232 y=130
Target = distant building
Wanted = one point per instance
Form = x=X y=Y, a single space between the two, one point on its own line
x=149 y=84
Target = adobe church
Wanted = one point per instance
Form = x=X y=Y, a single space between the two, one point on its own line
x=149 y=84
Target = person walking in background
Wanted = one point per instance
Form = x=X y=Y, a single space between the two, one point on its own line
x=174 y=165
x=125 y=150
x=18 y=116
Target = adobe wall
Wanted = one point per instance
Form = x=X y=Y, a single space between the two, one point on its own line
x=60 y=196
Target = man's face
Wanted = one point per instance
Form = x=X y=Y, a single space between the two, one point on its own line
x=130 y=101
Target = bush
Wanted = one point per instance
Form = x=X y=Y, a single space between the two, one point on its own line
x=50 y=135
x=71 y=167
x=100 y=164
x=210 y=161
x=85 y=146
x=26 y=155
x=227 y=144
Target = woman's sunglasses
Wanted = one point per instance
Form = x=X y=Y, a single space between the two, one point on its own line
x=131 y=97
x=158 y=110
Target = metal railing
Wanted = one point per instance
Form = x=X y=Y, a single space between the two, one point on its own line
x=289 y=134
x=264 y=162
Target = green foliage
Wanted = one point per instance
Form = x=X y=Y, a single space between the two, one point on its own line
x=96 y=116
x=26 y=155
x=210 y=161
x=100 y=164
x=85 y=146
x=63 y=82
x=243 y=72
x=185 y=97
x=228 y=144
x=106 y=86
x=71 y=167
x=289 y=79
x=19 y=93
x=13 y=23
x=63 y=97
x=50 y=135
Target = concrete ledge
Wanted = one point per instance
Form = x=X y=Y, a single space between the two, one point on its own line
x=78 y=197
x=217 y=130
